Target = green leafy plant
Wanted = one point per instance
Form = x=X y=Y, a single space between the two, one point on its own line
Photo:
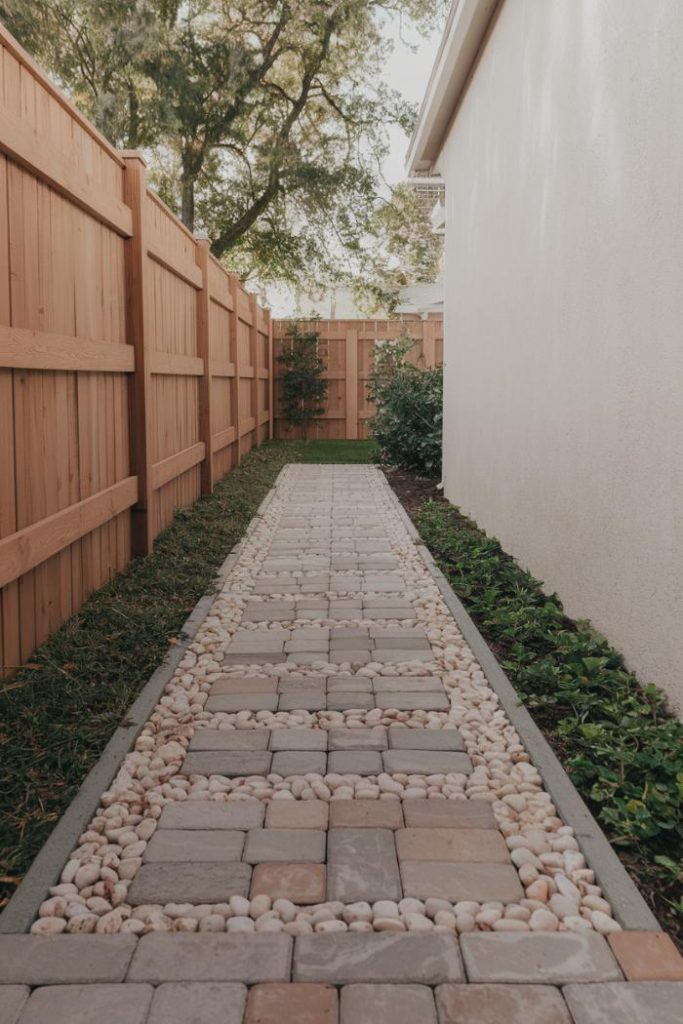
x=304 y=388
x=408 y=420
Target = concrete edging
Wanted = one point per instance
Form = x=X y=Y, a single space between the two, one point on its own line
x=22 y=909
x=630 y=909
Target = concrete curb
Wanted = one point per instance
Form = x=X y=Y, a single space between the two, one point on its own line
x=45 y=870
x=630 y=909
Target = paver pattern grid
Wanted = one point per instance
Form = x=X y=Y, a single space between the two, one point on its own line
x=328 y=818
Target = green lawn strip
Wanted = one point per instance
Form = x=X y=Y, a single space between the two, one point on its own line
x=329 y=451
x=615 y=738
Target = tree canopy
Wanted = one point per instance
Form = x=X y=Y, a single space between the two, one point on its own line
x=265 y=122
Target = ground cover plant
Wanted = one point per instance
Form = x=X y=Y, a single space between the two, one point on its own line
x=621 y=747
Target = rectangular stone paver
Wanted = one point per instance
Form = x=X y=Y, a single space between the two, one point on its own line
x=296 y=845
x=647 y=956
x=297 y=814
x=298 y=1004
x=243 y=684
x=358 y=739
x=171 y=844
x=191 y=1002
x=81 y=1004
x=229 y=739
x=181 y=956
x=299 y=762
x=300 y=883
x=501 y=1004
x=200 y=882
x=412 y=701
x=232 y=702
x=355 y=762
x=12 y=999
x=64 y=959
x=362 y=865
x=424 y=739
x=378 y=958
x=464 y=845
x=387 y=1004
x=426 y=762
x=366 y=814
x=298 y=739
x=230 y=763
x=541 y=958
x=640 y=1002
x=205 y=814
x=448 y=881
x=448 y=814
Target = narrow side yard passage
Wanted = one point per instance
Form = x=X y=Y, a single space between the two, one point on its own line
x=330 y=818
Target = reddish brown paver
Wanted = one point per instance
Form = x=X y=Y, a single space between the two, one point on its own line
x=297 y=814
x=300 y=883
x=292 y=1004
x=366 y=814
x=467 y=845
x=647 y=956
x=495 y=1004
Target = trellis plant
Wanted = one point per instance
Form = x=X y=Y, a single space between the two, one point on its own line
x=304 y=388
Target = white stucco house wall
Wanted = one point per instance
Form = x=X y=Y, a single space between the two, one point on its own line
x=558 y=128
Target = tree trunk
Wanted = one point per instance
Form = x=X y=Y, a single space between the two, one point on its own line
x=187 y=207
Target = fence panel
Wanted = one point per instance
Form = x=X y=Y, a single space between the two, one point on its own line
x=347 y=347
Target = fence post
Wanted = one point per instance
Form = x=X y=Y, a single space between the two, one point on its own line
x=352 y=385
x=204 y=352
x=256 y=404
x=271 y=411
x=234 y=334
x=429 y=343
x=140 y=387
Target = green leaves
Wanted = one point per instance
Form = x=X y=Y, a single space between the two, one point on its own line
x=303 y=387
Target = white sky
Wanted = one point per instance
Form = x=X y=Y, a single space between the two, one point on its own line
x=407 y=70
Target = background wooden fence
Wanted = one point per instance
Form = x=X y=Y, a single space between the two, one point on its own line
x=347 y=348
x=134 y=371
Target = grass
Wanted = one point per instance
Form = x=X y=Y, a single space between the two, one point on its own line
x=615 y=738
x=328 y=451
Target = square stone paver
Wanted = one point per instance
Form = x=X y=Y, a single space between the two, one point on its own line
x=367 y=813
x=424 y=739
x=541 y=958
x=464 y=845
x=297 y=814
x=209 y=956
x=387 y=1004
x=299 y=762
x=298 y=1003
x=358 y=739
x=362 y=865
x=635 y=1002
x=426 y=762
x=230 y=763
x=294 y=845
x=501 y=1004
x=480 y=882
x=378 y=958
x=172 y=844
x=64 y=959
x=300 y=883
x=647 y=956
x=205 y=814
x=298 y=739
x=355 y=762
x=83 y=1004
x=194 y=1002
x=12 y=999
x=200 y=882
x=229 y=739
x=448 y=814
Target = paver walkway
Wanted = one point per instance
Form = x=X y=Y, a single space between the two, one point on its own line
x=329 y=818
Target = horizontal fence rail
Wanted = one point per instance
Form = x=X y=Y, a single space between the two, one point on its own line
x=347 y=348
x=134 y=370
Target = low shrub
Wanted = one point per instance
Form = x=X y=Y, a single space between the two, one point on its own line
x=409 y=401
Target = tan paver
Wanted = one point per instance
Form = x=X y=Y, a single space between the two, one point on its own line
x=79 y=1004
x=12 y=1000
x=292 y=845
x=378 y=958
x=501 y=1004
x=481 y=882
x=181 y=956
x=387 y=1004
x=298 y=1003
x=186 y=882
x=171 y=844
x=198 y=1003
x=448 y=814
x=640 y=1002
x=647 y=956
x=205 y=814
x=549 y=958
x=467 y=845
x=300 y=883
x=297 y=814
x=367 y=814
x=64 y=959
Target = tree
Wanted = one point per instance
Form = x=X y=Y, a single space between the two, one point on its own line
x=265 y=119
x=304 y=389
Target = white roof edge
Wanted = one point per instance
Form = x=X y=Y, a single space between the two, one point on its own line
x=465 y=31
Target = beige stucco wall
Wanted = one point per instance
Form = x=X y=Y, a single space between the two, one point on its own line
x=564 y=311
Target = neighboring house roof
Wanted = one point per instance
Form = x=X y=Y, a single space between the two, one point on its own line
x=422 y=299
x=463 y=37
x=339 y=303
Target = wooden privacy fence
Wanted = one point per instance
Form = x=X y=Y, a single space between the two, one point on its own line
x=134 y=371
x=347 y=348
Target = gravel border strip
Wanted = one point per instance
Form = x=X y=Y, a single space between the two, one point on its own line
x=630 y=909
x=22 y=909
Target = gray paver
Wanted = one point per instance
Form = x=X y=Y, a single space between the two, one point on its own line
x=64 y=959
x=345 y=701
x=199 y=882
x=493 y=1004
x=266 y=846
x=427 y=762
x=481 y=882
x=355 y=762
x=230 y=763
x=409 y=684
x=303 y=700
x=362 y=865
x=229 y=739
x=387 y=1004
x=12 y=999
x=232 y=702
x=550 y=958
x=172 y=844
x=242 y=814
x=349 y=684
x=211 y=957
x=298 y=739
x=83 y=1004
x=378 y=958
x=412 y=701
x=198 y=1003
x=299 y=762
x=424 y=739
x=448 y=814
x=635 y=1002
x=358 y=739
